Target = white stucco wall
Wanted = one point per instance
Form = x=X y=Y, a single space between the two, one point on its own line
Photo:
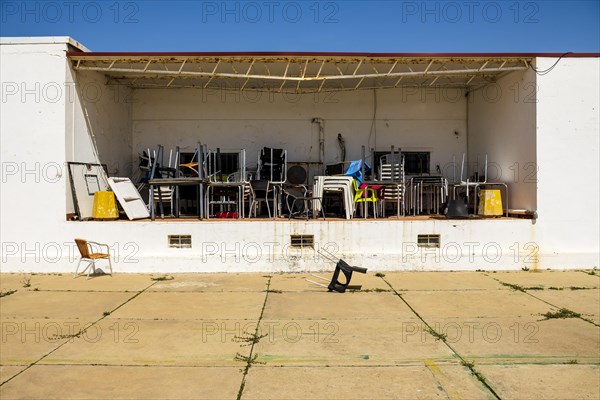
x=502 y=124
x=32 y=125
x=102 y=112
x=43 y=125
x=264 y=246
x=568 y=134
x=41 y=130
x=417 y=119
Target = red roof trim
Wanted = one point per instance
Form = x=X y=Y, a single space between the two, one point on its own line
x=328 y=54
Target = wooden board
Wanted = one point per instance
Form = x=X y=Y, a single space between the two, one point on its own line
x=129 y=198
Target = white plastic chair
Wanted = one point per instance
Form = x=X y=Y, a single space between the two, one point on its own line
x=465 y=182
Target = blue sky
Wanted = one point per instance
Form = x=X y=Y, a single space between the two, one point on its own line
x=298 y=25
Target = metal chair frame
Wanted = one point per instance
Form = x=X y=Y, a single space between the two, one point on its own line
x=89 y=251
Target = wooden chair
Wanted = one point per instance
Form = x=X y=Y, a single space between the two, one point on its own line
x=91 y=252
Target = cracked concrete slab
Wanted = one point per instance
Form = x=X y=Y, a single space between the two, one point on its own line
x=332 y=305
x=18 y=281
x=485 y=304
x=160 y=343
x=442 y=281
x=585 y=302
x=177 y=306
x=544 y=381
x=175 y=342
x=398 y=382
x=115 y=283
x=365 y=342
x=212 y=283
x=547 y=279
x=8 y=371
x=25 y=341
x=131 y=382
x=65 y=282
x=513 y=340
x=87 y=306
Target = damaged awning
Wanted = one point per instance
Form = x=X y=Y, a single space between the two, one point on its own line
x=298 y=73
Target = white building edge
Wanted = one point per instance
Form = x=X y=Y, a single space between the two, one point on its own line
x=62 y=103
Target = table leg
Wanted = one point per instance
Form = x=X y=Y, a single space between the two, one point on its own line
x=176 y=188
x=151 y=201
x=200 y=202
x=160 y=204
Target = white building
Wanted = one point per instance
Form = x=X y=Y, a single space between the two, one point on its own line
x=535 y=116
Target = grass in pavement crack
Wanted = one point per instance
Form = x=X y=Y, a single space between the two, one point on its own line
x=436 y=335
x=442 y=337
x=162 y=278
x=474 y=372
x=7 y=293
x=520 y=288
x=75 y=335
x=251 y=340
x=562 y=313
x=26 y=281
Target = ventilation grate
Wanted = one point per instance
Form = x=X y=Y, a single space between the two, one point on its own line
x=180 y=241
x=429 y=240
x=302 y=240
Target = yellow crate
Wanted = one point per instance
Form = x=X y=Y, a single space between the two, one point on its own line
x=105 y=206
x=490 y=203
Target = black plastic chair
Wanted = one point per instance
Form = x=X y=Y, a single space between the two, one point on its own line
x=260 y=192
x=299 y=202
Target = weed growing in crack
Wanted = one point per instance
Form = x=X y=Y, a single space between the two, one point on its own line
x=248 y=339
x=520 y=288
x=474 y=372
x=69 y=336
x=162 y=278
x=26 y=281
x=436 y=335
x=247 y=359
x=561 y=314
x=251 y=340
x=376 y=290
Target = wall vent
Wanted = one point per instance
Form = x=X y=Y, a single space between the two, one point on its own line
x=302 y=240
x=429 y=240
x=180 y=241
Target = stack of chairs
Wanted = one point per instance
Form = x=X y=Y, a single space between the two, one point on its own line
x=272 y=167
x=391 y=168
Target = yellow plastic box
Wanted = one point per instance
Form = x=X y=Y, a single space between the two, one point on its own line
x=490 y=203
x=105 y=206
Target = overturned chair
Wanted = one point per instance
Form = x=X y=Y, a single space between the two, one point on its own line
x=335 y=285
x=91 y=252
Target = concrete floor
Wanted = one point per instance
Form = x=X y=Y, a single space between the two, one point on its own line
x=420 y=335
